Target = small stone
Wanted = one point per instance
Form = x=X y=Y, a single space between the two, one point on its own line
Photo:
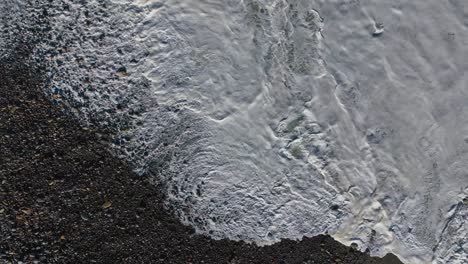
x=84 y=217
x=122 y=71
x=107 y=205
x=465 y=201
x=27 y=212
x=378 y=30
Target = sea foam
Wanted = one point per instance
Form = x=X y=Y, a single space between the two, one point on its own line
x=271 y=119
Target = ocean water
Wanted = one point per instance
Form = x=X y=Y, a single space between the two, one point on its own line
x=272 y=119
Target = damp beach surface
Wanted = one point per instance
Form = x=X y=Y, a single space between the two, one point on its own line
x=265 y=120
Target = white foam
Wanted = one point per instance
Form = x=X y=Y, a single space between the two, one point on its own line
x=260 y=117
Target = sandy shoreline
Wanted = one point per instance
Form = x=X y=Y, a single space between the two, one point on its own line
x=65 y=199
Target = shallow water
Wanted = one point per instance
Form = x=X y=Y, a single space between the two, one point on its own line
x=271 y=119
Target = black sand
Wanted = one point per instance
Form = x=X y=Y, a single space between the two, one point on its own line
x=65 y=199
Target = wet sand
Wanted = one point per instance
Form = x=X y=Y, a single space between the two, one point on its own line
x=65 y=199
